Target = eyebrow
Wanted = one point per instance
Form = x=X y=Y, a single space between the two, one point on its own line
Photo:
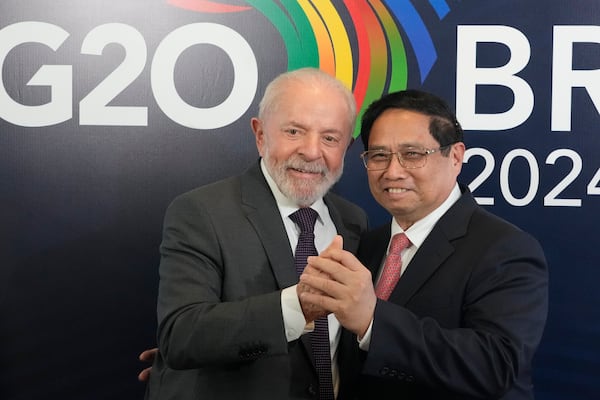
x=400 y=146
x=378 y=147
x=329 y=130
x=332 y=130
x=292 y=123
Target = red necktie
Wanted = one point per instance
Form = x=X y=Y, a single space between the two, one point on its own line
x=305 y=218
x=392 y=267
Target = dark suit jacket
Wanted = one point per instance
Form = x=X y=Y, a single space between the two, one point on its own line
x=466 y=316
x=225 y=256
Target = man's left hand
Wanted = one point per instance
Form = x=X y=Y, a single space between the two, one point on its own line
x=342 y=285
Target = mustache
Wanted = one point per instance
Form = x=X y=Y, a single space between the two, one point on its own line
x=315 y=167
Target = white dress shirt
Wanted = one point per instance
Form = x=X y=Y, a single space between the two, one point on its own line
x=293 y=319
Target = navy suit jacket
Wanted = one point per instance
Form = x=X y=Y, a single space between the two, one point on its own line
x=225 y=256
x=465 y=318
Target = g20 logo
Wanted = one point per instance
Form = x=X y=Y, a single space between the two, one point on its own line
x=94 y=108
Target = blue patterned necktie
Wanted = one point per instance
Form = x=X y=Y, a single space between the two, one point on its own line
x=305 y=218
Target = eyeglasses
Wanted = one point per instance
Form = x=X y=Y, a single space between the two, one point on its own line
x=409 y=158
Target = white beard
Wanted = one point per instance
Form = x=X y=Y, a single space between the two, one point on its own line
x=303 y=192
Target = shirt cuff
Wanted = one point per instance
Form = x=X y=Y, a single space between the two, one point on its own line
x=365 y=342
x=293 y=318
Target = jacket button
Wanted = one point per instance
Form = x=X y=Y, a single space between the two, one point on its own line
x=311 y=390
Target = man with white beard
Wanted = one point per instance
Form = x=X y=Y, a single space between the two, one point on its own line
x=231 y=324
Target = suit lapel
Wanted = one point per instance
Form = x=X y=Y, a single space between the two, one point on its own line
x=435 y=249
x=263 y=214
x=351 y=237
x=425 y=262
x=372 y=249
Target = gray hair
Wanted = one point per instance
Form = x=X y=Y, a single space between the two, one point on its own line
x=307 y=76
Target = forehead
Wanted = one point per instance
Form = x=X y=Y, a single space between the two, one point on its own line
x=315 y=105
x=396 y=127
x=316 y=99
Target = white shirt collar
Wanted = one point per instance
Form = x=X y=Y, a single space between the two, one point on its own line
x=420 y=229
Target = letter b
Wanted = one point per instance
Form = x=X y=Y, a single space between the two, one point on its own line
x=468 y=76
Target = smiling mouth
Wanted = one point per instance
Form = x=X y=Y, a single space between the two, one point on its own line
x=305 y=171
x=396 y=190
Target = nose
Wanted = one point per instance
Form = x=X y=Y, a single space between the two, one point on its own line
x=310 y=147
x=395 y=169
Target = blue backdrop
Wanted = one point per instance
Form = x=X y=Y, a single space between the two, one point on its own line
x=108 y=111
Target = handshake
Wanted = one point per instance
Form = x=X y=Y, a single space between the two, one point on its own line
x=333 y=282
x=336 y=282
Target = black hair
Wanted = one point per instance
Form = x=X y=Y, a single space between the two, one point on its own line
x=443 y=125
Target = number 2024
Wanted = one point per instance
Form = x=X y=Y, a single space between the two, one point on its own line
x=551 y=199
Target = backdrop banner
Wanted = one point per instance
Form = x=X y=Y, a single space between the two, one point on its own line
x=108 y=110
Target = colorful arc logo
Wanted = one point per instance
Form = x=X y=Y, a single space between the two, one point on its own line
x=315 y=35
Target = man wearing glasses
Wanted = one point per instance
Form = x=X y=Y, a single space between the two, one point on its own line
x=447 y=301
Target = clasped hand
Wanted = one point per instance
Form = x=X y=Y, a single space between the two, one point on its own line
x=336 y=282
